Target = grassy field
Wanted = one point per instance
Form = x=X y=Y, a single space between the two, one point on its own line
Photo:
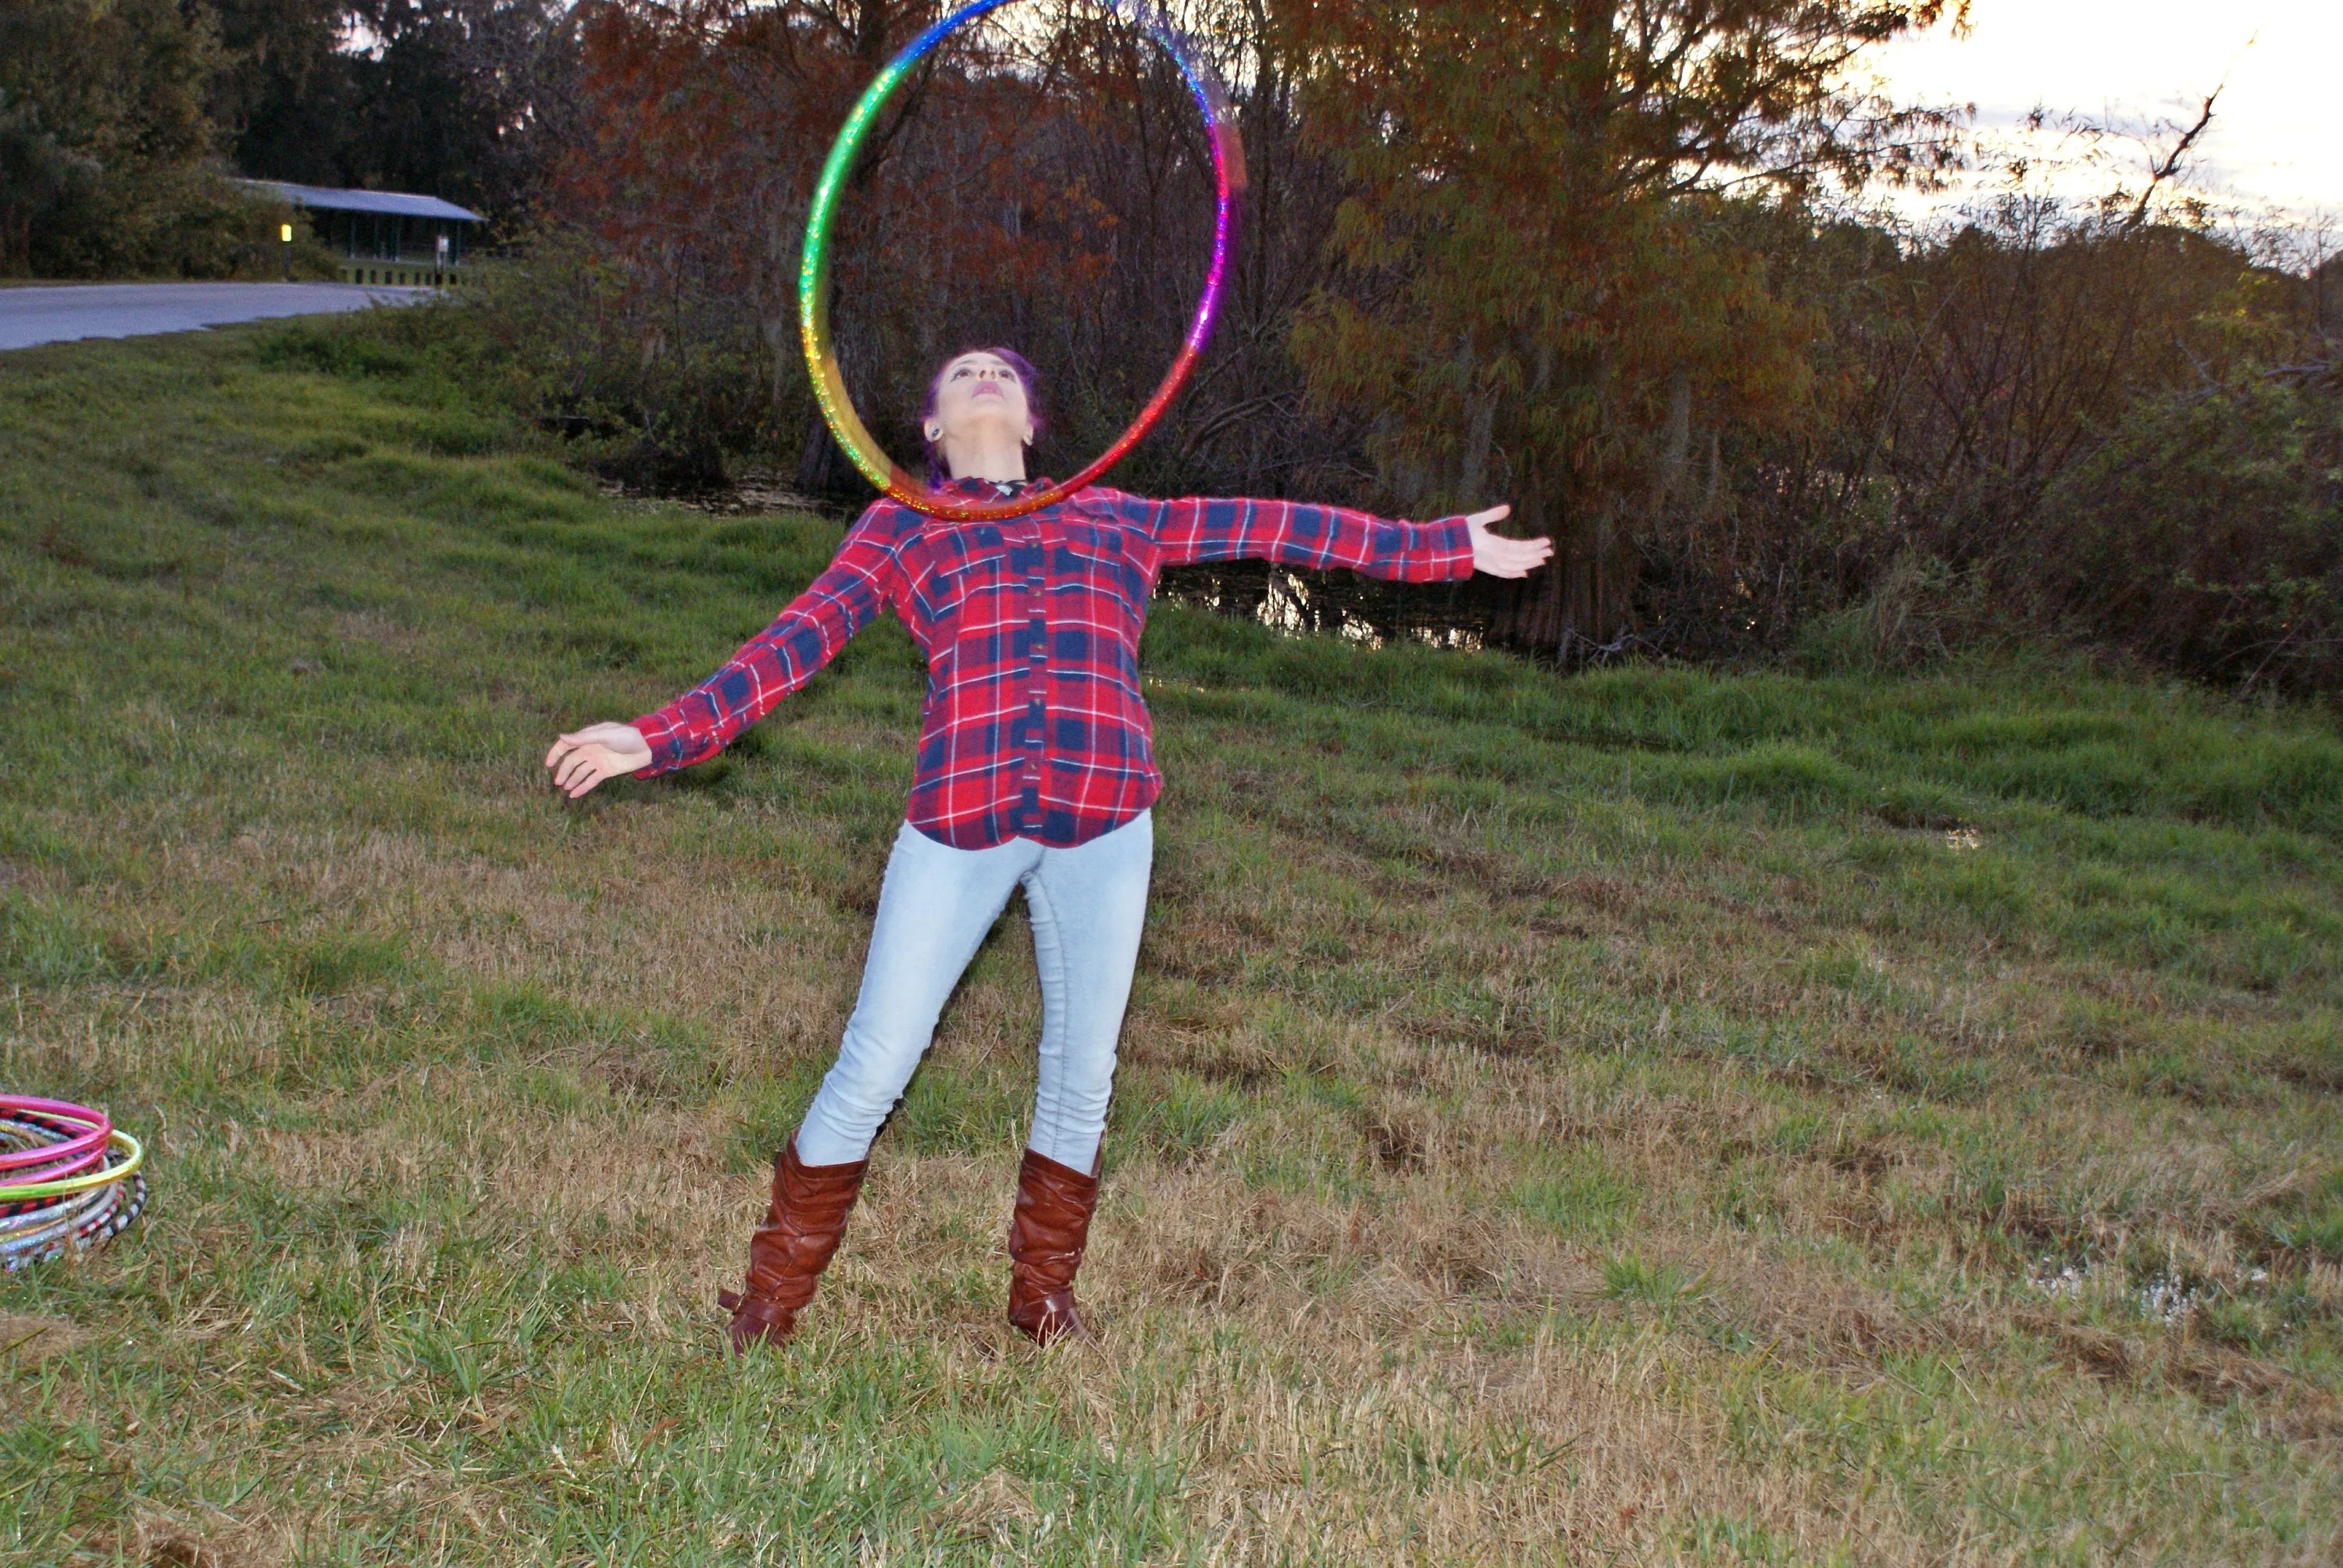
x=1643 y=1116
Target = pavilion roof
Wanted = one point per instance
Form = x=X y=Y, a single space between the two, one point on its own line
x=332 y=199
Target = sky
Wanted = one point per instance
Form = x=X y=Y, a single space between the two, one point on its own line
x=2277 y=137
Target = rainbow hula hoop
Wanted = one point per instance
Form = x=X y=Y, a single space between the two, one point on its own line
x=813 y=269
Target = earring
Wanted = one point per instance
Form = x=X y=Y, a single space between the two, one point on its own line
x=935 y=432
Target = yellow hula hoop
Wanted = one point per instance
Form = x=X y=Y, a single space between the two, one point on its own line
x=83 y=1183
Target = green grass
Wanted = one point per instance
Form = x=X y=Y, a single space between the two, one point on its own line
x=1650 y=1115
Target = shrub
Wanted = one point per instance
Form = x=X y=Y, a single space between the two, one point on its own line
x=2207 y=534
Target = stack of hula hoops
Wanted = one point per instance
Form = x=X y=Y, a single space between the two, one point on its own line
x=69 y=1180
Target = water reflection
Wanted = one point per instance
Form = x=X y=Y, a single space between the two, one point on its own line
x=750 y=492
x=1339 y=603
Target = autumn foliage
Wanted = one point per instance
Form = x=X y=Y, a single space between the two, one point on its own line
x=1022 y=191
x=1595 y=259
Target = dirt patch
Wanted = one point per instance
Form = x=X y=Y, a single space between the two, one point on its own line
x=1219 y=1050
x=1866 y=1160
x=26 y=1339
x=1399 y=1142
x=2214 y=1374
x=160 y=1544
x=1605 y=895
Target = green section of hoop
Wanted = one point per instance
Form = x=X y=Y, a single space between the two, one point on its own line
x=813 y=284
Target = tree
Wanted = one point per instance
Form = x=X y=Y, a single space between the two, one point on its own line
x=106 y=153
x=699 y=127
x=1543 y=299
x=1031 y=168
x=446 y=97
x=282 y=97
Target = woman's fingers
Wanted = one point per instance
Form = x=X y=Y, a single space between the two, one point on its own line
x=584 y=762
x=586 y=770
x=620 y=741
x=564 y=745
x=1512 y=558
x=1501 y=557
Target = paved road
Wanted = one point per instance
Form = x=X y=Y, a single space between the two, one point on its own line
x=60 y=315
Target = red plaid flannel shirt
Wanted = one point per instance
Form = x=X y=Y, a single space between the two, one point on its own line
x=1034 y=725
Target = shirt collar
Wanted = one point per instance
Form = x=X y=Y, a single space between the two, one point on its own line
x=990 y=489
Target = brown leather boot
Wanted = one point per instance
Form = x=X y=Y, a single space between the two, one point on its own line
x=792 y=1247
x=1052 y=1224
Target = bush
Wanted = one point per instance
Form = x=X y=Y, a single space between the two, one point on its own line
x=2207 y=534
x=652 y=385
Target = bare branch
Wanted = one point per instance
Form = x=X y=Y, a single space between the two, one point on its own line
x=2164 y=168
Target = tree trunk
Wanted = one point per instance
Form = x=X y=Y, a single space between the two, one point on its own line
x=1581 y=604
x=821 y=463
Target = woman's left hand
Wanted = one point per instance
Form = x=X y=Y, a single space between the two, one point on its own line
x=1500 y=557
x=584 y=758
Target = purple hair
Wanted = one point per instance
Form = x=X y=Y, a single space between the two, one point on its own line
x=939 y=471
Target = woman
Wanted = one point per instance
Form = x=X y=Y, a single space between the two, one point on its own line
x=1035 y=768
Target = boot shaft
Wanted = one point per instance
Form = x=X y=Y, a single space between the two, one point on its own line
x=1046 y=1236
x=803 y=1224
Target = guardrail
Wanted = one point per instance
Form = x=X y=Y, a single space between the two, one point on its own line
x=422 y=273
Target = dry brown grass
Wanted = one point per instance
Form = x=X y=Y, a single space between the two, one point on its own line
x=1295 y=1344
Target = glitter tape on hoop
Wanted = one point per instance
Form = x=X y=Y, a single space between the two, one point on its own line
x=112 y=1222
x=813 y=269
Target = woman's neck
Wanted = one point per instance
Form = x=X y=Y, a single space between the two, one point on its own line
x=982 y=460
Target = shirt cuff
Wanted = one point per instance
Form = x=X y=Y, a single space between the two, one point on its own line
x=1452 y=547
x=662 y=735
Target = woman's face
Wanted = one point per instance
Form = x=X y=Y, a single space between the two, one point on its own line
x=980 y=400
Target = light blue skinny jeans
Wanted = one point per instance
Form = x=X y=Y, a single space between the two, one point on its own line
x=1086 y=905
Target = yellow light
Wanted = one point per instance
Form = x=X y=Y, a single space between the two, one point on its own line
x=284 y=232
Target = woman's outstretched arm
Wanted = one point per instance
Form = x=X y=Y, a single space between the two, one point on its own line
x=1297 y=534
x=849 y=592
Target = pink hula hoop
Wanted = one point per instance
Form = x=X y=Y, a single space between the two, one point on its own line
x=81 y=1150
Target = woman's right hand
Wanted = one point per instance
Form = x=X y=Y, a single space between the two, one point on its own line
x=1499 y=555
x=584 y=758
